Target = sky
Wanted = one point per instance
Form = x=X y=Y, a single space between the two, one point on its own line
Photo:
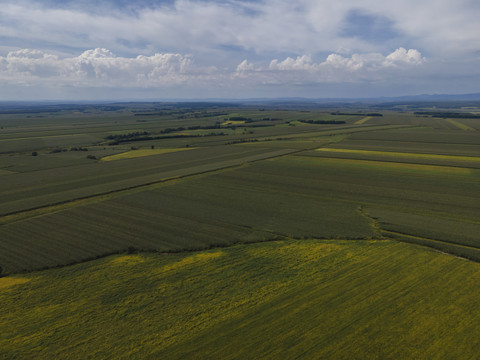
x=199 y=49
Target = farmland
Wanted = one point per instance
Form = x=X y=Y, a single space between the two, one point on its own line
x=243 y=212
x=286 y=299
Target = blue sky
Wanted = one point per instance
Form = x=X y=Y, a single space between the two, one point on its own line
x=161 y=49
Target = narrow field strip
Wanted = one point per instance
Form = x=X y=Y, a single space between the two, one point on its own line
x=141 y=153
x=362 y=121
x=402 y=154
x=43 y=137
x=460 y=125
x=233 y=122
x=447 y=169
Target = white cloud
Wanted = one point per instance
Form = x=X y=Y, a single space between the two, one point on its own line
x=245 y=66
x=335 y=68
x=303 y=62
x=99 y=67
x=402 y=56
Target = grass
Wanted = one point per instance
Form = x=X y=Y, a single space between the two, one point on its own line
x=288 y=299
x=141 y=153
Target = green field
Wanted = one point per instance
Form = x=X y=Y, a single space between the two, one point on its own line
x=285 y=231
x=289 y=299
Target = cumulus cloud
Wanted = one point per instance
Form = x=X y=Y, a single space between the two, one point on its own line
x=102 y=68
x=401 y=55
x=99 y=67
x=335 y=68
x=303 y=62
x=244 y=67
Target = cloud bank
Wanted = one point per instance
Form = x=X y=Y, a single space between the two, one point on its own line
x=335 y=69
x=102 y=68
x=97 y=67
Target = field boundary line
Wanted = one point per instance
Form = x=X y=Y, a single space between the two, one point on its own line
x=41 y=137
x=402 y=154
x=19 y=215
x=428 y=239
x=386 y=161
x=336 y=131
x=442 y=246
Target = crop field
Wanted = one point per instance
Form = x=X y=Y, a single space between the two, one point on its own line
x=402 y=157
x=224 y=208
x=411 y=146
x=288 y=299
x=141 y=153
x=296 y=196
x=22 y=191
x=239 y=231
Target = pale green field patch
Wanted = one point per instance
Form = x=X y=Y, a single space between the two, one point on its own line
x=233 y=122
x=141 y=153
x=460 y=125
x=362 y=121
x=402 y=154
x=401 y=166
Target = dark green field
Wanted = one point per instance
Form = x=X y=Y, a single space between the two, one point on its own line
x=193 y=177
